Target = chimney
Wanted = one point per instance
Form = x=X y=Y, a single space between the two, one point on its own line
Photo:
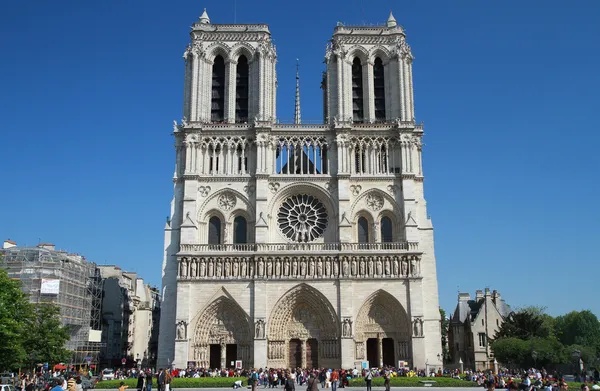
x=9 y=243
x=464 y=297
x=478 y=295
x=487 y=292
x=47 y=246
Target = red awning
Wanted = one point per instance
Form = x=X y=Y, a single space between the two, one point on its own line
x=60 y=366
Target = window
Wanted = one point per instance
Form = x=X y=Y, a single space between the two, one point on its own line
x=218 y=90
x=357 y=91
x=482 y=322
x=214 y=230
x=240 y=228
x=379 y=84
x=482 y=340
x=241 y=90
x=363 y=230
x=386 y=230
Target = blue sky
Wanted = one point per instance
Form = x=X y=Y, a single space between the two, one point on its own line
x=508 y=92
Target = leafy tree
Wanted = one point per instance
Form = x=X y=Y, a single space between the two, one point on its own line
x=524 y=324
x=45 y=336
x=580 y=328
x=509 y=350
x=445 y=324
x=14 y=309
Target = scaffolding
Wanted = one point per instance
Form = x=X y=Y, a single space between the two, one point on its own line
x=67 y=280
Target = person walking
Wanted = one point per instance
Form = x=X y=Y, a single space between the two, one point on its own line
x=335 y=377
x=141 y=386
x=160 y=380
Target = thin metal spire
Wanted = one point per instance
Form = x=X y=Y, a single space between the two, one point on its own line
x=297 y=112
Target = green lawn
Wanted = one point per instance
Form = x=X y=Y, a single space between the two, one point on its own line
x=414 y=382
x=202 y=382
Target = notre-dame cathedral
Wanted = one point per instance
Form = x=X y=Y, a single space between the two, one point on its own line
x=298 y=245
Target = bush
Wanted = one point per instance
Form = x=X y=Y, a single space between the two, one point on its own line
x=202 y=382
x=413 y=382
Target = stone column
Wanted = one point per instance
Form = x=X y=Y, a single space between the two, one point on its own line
x=223 y=355
x=303 y=346
x=380 y=351
x=230 y=74
x=369 y=93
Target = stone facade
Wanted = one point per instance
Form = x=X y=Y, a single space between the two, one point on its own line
x=291 y=244
x=473 y=323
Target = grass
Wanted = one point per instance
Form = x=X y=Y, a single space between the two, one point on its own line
x=414 y=382
x=202 y=382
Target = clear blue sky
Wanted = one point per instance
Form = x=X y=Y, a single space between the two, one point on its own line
x=508 y=92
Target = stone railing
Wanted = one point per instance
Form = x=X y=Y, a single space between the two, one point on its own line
x=299 y=247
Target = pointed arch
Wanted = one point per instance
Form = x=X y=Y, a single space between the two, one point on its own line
x=303 y=312
x=242 y=49
x=360 y=52
x=382 y=316
x=218 y=89
x=389 y=204
x=222 y=321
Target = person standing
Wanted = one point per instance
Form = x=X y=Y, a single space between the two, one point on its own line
x=289 y=383
x=335 y=377
x=386 y=379
x=160 y=380
x=368 y=379
x=141 y=386
x=312 y=384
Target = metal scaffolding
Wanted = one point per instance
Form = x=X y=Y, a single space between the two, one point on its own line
x=67 y=280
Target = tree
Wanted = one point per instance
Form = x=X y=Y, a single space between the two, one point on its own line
x=444 y=324
x=14 y=309
x=45 y=336
x=580 y=328
x=524 y=324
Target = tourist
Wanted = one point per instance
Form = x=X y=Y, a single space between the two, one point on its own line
x=289 y=383
x=312 y=383
x=368 y=379
x=386 y=381
x=335 y=377
x=123 y=387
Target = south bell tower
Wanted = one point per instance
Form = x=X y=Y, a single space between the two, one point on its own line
x=298 y=245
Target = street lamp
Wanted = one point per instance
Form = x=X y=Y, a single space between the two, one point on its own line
x=460 y=362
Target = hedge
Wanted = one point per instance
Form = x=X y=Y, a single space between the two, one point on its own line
x=201 y=382
x=413 y=382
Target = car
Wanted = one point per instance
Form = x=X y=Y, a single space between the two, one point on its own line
x=107 y=374
x=7 y=387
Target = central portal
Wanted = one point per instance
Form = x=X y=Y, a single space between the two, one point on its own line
x=303 y=328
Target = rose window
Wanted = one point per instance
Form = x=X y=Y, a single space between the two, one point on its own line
x=302 y=218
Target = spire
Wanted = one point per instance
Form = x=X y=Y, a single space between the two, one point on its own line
x=391 y=22
x=204 y=17
x=297 y=112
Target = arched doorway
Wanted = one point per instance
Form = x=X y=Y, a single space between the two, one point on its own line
x=303 y=331
x=382 y=331
x=223 y=333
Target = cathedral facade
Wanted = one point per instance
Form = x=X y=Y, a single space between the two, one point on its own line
x=297 y=245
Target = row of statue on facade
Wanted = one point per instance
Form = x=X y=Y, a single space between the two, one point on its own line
x=319 y=267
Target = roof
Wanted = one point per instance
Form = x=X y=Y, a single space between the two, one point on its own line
x=469 y=309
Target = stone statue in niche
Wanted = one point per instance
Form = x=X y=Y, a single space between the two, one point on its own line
x=353 y=267
x=418 y=327
x=370 y=267
x=261 y=267
x=227 y=268
x=404 y=267
x=378 y=267
x=270 y=268
x=395 y=266
x=345 y=267
x=202 y=268
x=219 y=269
x=328 y=267
x=387 y=266
x=243 y=268
x=311 y=267
x=413 y=266
x=319 y=268
x=211 y=268
x=294 y=268
x=286 y=267
x=259 y=329
x=335 y=268
x=251 y=269
x=303 y=268
x=193 y=268
x=235 y=268
x=181 y=330
x=347 y=328
x=277 y=268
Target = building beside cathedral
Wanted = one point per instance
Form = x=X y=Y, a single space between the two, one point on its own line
x=295 y=245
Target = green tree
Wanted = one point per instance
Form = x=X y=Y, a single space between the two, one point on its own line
x=579 y=328
x=14 y=310
x=525 y=323
x=444 y=324
x=45 y=336
x=510 y=351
